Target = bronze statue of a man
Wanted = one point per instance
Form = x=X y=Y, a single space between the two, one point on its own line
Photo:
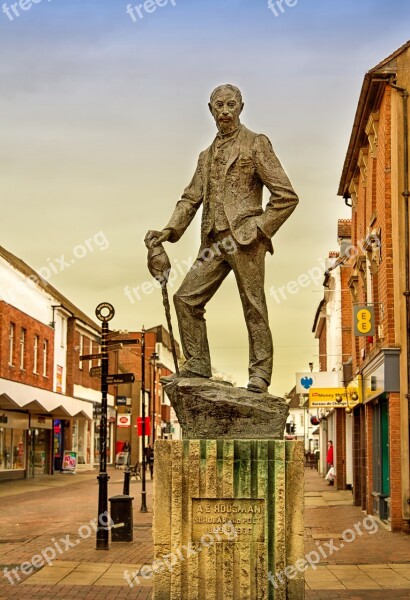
x=228 y=182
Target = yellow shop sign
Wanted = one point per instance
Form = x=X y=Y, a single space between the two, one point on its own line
x=326 y=397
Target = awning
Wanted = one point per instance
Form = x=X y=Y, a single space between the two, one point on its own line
x=14 y=395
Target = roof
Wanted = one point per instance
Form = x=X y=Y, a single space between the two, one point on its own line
x=369 y=99
x=27 y=271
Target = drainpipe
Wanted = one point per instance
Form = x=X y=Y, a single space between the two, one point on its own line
x=406 y=193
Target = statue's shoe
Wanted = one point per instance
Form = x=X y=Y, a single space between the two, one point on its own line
x=258 y=385
x=183 y=374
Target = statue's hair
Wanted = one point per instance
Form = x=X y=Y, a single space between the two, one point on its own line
x=231 y=87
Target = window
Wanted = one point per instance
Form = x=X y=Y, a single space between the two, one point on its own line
x=35 y=353
x=12 y=332
x=45 y=357
x=302 y=420
x=80 y=362
x=63 y=332
x=23 y=334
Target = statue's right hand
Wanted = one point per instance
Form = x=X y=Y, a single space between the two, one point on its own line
x=154 y=238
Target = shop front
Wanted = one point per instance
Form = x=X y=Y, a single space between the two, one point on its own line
x=14 y=429
x=381 y=387
x=37 y=426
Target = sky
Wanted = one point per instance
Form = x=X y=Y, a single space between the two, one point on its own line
x=104 y=113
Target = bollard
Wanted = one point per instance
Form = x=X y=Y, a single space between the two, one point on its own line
x=127 y=477
x=121 y=516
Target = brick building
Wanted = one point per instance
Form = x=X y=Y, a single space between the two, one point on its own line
x=158 y=362
x=46 y=395
x=50 y=404
x=374 y=183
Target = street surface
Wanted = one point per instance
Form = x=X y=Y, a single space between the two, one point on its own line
x=52 y=520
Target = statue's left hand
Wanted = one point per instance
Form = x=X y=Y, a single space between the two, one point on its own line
x=151 y=238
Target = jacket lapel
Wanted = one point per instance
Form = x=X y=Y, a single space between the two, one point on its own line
x=235 y=148
x=207 y=170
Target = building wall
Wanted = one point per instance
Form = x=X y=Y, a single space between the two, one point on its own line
x=23 y=293
x=375 y=210
x=27 y=375
x=323 y=350
x=398 y=219
x=78 y=372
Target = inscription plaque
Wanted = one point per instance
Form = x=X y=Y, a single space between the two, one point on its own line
x=229 y=519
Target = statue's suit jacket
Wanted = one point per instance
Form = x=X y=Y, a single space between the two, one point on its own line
x=251 y=165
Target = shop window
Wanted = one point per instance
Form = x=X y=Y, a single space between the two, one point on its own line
x=12 y=333
x=12 y=449
x=23 y=335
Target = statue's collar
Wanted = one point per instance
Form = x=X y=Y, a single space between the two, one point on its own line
x=224 y=137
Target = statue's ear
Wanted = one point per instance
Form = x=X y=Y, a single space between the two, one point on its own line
x=210 y=107
x=242 y=105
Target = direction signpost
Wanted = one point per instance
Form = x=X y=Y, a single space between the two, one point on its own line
x=120 y=378
x=91 y=356
x=143 y=508
x=105 y=312
x=95 y=372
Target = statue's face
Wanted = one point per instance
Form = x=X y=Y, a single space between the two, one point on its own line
x=226 y=108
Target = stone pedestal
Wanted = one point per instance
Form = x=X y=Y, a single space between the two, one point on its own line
x=228 y=520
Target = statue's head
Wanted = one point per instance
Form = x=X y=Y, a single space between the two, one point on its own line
x=226 y=105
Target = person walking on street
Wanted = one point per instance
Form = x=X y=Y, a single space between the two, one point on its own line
x=329 y=456
x=329 y=463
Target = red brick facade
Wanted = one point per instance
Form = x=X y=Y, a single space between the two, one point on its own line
x=78 y=373
x=35 y=333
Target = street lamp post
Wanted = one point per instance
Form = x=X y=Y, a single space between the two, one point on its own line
x=154 y=358
x=143 y=508
x=302 y=404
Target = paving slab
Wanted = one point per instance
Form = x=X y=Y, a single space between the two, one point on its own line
x=316 y=501
x=327 y=536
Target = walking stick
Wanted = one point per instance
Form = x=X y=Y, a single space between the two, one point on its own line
x=159 y=266
x=167 y=307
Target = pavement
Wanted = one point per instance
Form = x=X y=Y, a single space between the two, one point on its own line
x=52 y=520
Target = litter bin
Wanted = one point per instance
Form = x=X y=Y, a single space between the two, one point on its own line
x=121 y=515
